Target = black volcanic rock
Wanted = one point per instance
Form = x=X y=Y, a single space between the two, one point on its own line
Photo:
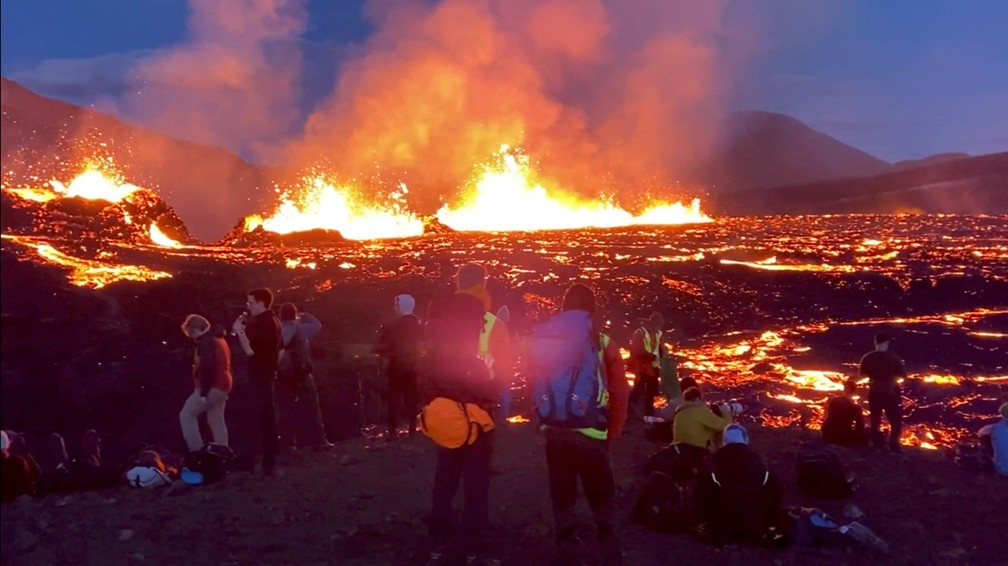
x=79 y=219
x=239 y=237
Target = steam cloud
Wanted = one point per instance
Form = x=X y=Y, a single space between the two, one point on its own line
x=606 y=96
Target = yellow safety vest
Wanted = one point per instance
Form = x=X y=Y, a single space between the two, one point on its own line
x=489 y=320
x=652 y=348
x=603 y=397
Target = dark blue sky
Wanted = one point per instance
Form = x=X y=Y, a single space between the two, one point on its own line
x=897 y=79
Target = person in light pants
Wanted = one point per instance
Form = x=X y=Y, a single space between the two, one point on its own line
x=211 y=383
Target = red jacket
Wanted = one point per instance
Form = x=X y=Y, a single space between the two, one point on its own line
x=212 y=364
x=619 y=390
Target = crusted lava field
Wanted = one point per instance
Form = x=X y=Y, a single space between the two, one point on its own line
x=774 y=311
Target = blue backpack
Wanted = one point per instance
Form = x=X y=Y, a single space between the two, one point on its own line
x=568 y=381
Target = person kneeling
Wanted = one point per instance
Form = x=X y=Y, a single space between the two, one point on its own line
x=844 y=423
x=738 y=499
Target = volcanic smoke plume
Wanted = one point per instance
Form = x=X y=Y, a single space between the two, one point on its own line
x=234 y=82
x=608 y=97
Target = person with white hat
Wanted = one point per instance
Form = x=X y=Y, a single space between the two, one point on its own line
x=738 y=498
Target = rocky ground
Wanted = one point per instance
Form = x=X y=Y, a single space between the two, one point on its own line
x=365 y=503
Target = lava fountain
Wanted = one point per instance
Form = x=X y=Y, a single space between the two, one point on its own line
x=507 y=197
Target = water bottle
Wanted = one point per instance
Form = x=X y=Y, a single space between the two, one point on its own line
x=822 y=520
x=865 y=536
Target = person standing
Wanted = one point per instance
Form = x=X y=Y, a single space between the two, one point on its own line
x=494 y=346
x=883 y=369
x=258 y=332
x=451 y=370
x=578 y=445
x=645 y=357
x=211 y=383
x=299 y=416
x=399 y=344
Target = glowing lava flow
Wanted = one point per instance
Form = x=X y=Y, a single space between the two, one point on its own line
x=92 y=184
x=87 y=272
x=162 y=239
x=321 y=205
x=506 y=198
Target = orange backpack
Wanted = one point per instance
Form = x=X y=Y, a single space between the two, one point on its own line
x=452 y=424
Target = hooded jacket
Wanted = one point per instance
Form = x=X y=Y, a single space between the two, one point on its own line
x=696 y=424
x=499 y=340
x=212 y=362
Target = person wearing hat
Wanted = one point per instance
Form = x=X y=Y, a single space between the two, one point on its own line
x=883 y=369
x=738 y=498
x=399 y=343
x=494 y=346
x=18 y=475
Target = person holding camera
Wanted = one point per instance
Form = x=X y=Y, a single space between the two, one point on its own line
x=299 y=416
x=698 y=424
x=258 y=332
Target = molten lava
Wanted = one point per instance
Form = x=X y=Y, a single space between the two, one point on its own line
x=88 y=272
x=162 y=239
x=96 y=182
x=322 y=205
x=506 y=197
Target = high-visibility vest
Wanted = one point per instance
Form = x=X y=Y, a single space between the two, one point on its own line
x=603 y=398
x=489 y=320
x=650 y=347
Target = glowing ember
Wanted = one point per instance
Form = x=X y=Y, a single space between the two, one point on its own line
x=91 y=273
x=162 y=239
x=506 y=197
x=321 y=205
x=518 y=419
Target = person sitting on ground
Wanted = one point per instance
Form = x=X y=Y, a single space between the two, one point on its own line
x=298 y=412
x=994 y=440
x=738 y=498
x=20 y=475
x=53 y=461
x=212 y=381
x=844 y=423
x=695 y=423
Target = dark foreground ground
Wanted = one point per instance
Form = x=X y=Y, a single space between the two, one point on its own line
x=365 y=503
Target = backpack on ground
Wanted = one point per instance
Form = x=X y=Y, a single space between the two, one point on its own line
x=451 y=424
x=821 y=474
x=208 y=464
x=146 y=476
x=568 y=380
x=665 y=505
x=680 y=461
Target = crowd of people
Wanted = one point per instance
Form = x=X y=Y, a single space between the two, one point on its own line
x=457 y=368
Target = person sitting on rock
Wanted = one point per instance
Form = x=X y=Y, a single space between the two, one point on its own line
x=738 y=498
x=20 y=475
x=695 y=423
x=844 y=424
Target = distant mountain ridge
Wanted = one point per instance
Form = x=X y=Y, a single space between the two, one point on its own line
x=766 y=149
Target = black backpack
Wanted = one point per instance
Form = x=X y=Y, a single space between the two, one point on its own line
x=665 y=505
x=212 y=461
x=680 y=461
x=821 y=474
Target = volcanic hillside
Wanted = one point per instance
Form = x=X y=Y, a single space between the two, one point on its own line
x=42 y=139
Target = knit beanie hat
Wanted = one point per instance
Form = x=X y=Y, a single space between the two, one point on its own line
x=735 y=434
